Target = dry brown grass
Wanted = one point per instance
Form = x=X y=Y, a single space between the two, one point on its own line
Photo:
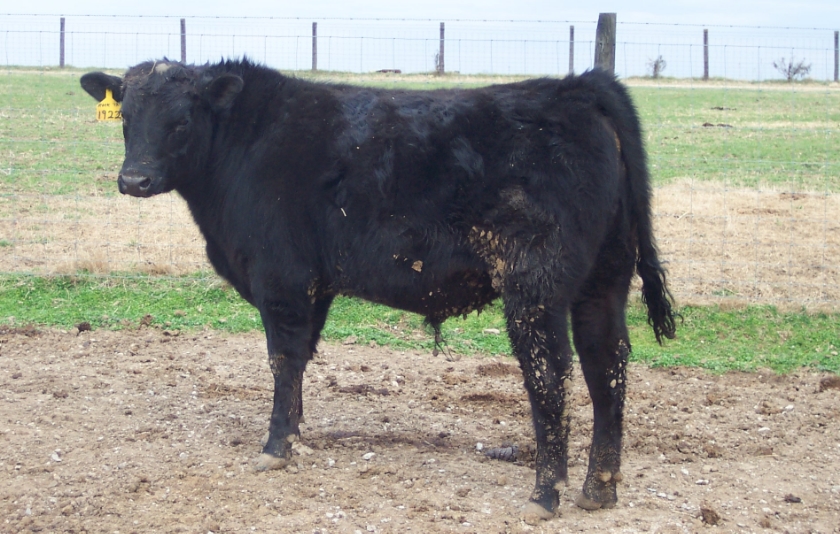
x=734 y=246
x=749 y=245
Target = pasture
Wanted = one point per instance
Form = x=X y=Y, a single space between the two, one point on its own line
x=148 y=421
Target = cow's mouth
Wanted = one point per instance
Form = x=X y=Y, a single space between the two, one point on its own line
x=136 y=186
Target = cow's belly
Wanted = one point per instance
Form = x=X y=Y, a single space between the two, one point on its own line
x=459 y=294
x=436 y=296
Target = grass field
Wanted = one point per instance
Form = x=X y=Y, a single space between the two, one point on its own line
x=781 y=136
x=744 y=338
x=57 y=160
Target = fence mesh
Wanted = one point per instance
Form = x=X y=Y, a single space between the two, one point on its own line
x=744 y=164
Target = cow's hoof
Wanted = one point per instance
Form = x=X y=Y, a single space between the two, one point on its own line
x=533 y=514
x=267 y=462
x=588 y=503
x=582 y=501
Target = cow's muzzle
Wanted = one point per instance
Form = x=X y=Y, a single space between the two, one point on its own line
x=136 y=186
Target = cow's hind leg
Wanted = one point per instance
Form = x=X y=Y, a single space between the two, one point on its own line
x=603 y=345
x=539 y=338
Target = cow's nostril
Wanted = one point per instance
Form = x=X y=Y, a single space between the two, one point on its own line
x=145 y=184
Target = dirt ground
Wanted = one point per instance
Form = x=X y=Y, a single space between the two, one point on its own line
x=746 y=245
x=151 y=431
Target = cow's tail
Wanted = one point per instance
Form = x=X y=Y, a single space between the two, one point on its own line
x=655 y=294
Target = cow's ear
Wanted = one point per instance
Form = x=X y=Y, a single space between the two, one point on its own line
x=95 y=83
x=221 y=91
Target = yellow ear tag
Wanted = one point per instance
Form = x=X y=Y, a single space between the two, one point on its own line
x=108 y=109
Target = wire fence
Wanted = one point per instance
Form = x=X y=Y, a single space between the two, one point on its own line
x=744 y=164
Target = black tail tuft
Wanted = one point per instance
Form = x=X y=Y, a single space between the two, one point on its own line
x=656 y=296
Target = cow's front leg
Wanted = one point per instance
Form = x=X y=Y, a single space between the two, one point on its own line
x=288 y=328
x=540 y=341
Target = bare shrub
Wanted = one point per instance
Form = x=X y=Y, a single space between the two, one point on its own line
x=656 y=66
x=792 y=70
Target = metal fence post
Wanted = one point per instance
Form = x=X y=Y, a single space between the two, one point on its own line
x=441 y=68
x=183 y=41
x=571 y=50
x=314 y=46
x=605 y=42
x=61 y=47
x=705 y=54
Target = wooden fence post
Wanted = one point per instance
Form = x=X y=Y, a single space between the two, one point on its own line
x=314 y=46
x=441 y=63
x=571 y=50
x=836 y=55
x=605 y=42
x=183 y=41
x=705 y=54
x=61 y=47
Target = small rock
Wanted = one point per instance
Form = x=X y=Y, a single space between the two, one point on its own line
x=702 y=482
x=494 y=331
x=56 y=456
x=368 y=456
x=479 y=446
x=462 y=492
x=792 y=498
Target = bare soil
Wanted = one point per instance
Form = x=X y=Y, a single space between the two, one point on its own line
x=742 y=245
x=151 y=431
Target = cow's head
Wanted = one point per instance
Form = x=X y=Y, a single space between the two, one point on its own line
x=168 y=111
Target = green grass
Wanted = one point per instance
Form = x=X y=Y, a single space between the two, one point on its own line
x=780 y=135
x=708 y=337
x=760 y=137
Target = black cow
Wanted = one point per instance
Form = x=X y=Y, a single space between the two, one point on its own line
x=435 y=202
